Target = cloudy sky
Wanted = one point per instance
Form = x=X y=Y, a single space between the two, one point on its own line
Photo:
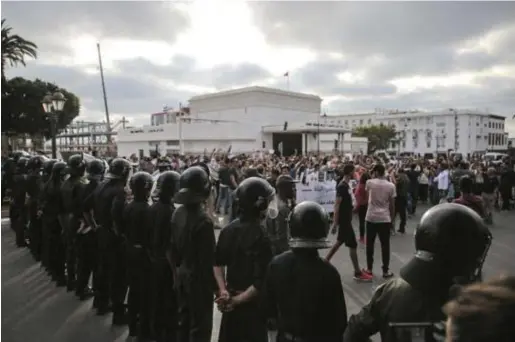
x=356 y=55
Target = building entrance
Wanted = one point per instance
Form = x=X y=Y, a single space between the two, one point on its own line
x=290 y=143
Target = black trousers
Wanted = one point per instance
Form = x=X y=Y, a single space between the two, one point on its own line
x=423 y=192
x=72 y=224
x=164 y=302
x=362 y=213
x=86 y=260
x=138 y=272
x=383 y=231
x=401 y=203
x=112 y=267
x=57 y=250
x=414 y=200
x=35 y=232
x=18 y=222
x=195 y=314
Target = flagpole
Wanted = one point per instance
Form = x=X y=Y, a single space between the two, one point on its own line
x=288 y=82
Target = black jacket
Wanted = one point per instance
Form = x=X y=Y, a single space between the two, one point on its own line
x=395 y=301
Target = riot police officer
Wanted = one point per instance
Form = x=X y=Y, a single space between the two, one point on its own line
x=52 y=208
x=109 y=203
x=136 y=233
x=245 y=251
x=72 y=214
x=277 y=228
x=322 y=315
x=192 y=256
x=451 y=245
x=34 y=184
x=18 y=211
x=163 y=304
x=86 y=235
x=163 y=164
x=45 y=229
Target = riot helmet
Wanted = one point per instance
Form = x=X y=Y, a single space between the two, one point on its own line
x=47 y=168
x=194 y=186
x=285 y=186
x=203 y=166
x=255 y=196
x=309 y=226
x=119 y=169
x=76 y=165
x=16 y=155
x=141 y=184
x=164 y=164
x=35 y=164
x=167 y=185
x=59 y=170
x=451 y=243
x=21 y=165
x=251 y=172
x=95 y=169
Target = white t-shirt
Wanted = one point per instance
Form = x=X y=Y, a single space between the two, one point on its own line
x=380 y=194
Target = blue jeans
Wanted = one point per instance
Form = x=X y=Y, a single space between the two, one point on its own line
x=224 y=201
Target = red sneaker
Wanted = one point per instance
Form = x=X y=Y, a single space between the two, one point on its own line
x=362 y=276
x=367 y=272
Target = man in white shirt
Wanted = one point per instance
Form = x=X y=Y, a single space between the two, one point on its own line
x=443 y=179
x=380 y=212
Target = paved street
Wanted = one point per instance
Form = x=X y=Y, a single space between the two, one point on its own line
x=34 y=310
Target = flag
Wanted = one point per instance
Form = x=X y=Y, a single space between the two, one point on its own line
x=286 y=74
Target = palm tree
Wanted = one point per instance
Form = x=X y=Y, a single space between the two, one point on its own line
x=15 y=48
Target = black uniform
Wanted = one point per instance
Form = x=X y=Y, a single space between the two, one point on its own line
x=72 y=215
x=87 y=249
x=426 y=281
x=18 y=212
x=45 y=229
x=34 y=184
x=192 y=254
x=303 y=292
x=135 y=231
x=162 y=297
x=245 y=251
x=52 y=207
x=109 y=203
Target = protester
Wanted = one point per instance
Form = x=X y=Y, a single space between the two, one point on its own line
x=342 y=221
x=381 y=210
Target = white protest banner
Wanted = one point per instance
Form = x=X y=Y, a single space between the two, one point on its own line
x=324 y=193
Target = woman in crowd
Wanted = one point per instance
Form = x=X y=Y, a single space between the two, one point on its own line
x=361 y=195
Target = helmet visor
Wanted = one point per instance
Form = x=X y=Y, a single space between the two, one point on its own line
x=273 y=207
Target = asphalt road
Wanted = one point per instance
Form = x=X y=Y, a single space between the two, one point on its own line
x=34 y=310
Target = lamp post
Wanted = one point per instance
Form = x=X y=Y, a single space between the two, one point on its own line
x=52 y=105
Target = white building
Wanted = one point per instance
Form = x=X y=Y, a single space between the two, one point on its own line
x=247 y=119
x=465 y=131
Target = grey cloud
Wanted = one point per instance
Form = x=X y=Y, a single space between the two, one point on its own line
x=496 y=94
x=389 y=28
x=321 y=76
x=183 y=70
x=130 y=95
x=50 y=24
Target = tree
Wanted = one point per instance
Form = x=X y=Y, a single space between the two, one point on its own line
x=22 y=111
x=15 y=49
x=379 y=136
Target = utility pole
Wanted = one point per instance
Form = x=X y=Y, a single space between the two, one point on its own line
x=108 y=122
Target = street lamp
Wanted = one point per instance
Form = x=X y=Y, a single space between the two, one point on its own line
x=52 y=105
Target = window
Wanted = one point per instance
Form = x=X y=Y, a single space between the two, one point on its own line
x=360 y=122
x=369 y=121
x=172 y=142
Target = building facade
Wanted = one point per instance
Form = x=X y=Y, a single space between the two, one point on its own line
x=464 y=131
x=246 y=119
